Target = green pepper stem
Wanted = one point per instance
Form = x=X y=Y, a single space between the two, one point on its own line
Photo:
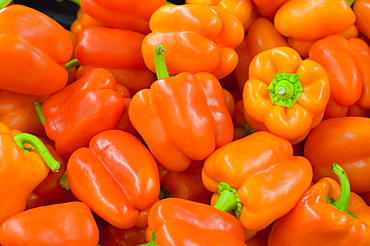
x=72 y=63
x=38 y=108
x=160 y=63
x=228 y=200
x=151 y=243
x=345 y=190
x=163 y=193
x=350 y=2
x=167 y=2
x=4 y=3
x=63 y=181
x=23 y=138
x=78 y=2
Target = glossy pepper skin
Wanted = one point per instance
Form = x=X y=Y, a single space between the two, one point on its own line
x=69 y=223
x=350 y=135
x=28 y=63
x=261 y=175
x=21 y=169
x=197 y=38
x=361 y=8
x=285 y=94
x=312 y=20
x=317 y=220
x=177 y=221
x=346 y=62
x=73 y=115
x=116 y=50
x=122 y=14
x=116 y=176
x=186 y=117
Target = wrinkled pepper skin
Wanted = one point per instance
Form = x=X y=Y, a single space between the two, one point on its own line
x=197 y=38
x=29 y=64
x=266 y=179
x=73 y=115
x=180 y=222
x=116 y=50
x=116 y=176
x=312 y=20
x=315 y=222
x=284 y=94
x=342 y=140
x=62 y=224
x=123 y=14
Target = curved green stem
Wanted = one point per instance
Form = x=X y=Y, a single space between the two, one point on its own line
x=285 y=89
x=228 y=200
x=160 y=63
x=38 y=108
x=23 y=138
x=63 y=181
x=345 y=190
x=72 y=63
x=4 y=3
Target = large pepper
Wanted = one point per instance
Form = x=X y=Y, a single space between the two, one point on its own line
x=33 y=48
x=342 y=140
x=81 y=110
x=122 y=14
x=180 y=222
x=285 y=94
x=62 y=224
x=197 y=38
x=328 y=214
x=257 y=178
x=186 y=117
x=22 y=169
x=116 y=176
x=346 y=62
x=116 y=50
x=361 y=8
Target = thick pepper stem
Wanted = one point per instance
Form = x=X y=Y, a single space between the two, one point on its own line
x=160 y=63
x=345 y=190
x=38 y=108
x=285 y=89
x=24 y=138
x=4 y=3
x=72 y=63
x=63 y=181
x=228 y=200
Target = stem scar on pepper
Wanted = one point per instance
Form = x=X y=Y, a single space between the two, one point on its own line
x=285 y=89
x=345 y=191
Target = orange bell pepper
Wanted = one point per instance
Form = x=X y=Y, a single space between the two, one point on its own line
x=361 y=8
x=346 y=62
x=198 y=38
x=312 y=20
x=116 y=50
x=62 y=224
x=180 y=222
x=29 y=64
x=257 y=178
x=123 y=14
x=186 y=117
x=73 y=115
x=328 y=214
x=116 y=176
x=350 y=135
x=285 y=94
x=83 y=20
x=23 y=168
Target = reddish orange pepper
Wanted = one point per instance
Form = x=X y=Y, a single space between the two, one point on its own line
x=114 y=236
x=116 y=50
x=23 y=168
x=29 y=64
x=186 y=117
x=53 y=225
x=177 y=221
x=328 y=214
x=257 y=178
x=347 y=142
x=83 y=20
x=116 y=176
x=198 y=38
x=285 y=94
x=123 y=14
x=73 y=115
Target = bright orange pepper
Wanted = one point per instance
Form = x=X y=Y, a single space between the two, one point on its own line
x=361 y=8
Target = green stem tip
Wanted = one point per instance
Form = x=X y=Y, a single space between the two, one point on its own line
x=24 y=138
x=160 y=63
x=72 y=63
x=78 y=2
x=345 y=190
x=151 y=243
x=4 y=3
x=38 y=108
x=63 y=181
x=228 y=200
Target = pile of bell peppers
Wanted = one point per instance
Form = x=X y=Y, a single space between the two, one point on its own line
x=205 y=122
